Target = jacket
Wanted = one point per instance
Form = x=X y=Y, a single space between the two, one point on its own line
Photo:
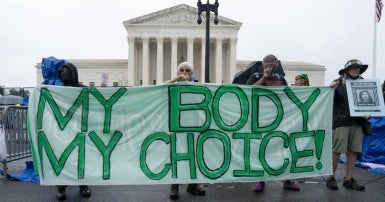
x=341 y=113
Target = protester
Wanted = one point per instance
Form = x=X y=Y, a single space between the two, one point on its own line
x=271 y=78
x=69 y=76
x=301 y=80
x=347 y=130
x=185 y=73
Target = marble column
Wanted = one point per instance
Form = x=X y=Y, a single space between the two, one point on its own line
x=131 y=61
x=190 y=50
x=233 y=59
x=174 y=56
x=159 y=60
x=218 y=60
x=145 y=61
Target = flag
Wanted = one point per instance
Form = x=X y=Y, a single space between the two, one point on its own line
x=379 y=6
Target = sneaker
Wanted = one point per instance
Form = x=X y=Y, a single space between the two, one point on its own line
x=353 y=184
x=331 y=183
x=259 y=186
x=174 y=192
x=290 y=185
x=196 y=189
x=84 y=191
x=61 y=193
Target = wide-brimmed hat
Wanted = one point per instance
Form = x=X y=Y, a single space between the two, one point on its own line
x=353 y=63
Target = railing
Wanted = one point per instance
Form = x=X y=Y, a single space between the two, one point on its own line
x=14 y=122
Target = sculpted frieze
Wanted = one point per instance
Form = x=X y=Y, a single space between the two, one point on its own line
x=179 y=15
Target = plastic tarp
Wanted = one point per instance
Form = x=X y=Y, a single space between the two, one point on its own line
x=26 y=175
x=50 y=70
x=373 y=147
x=25 y=100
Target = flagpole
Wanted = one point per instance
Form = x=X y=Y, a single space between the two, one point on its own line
x=374 y=41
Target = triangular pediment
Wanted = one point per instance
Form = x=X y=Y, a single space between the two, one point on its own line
x=181 y=14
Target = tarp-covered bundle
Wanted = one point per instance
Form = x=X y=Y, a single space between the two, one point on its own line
x=373 y=147
x=49 y=68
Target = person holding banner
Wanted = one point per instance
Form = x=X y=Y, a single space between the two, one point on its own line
x=68 y=74
x=271 y=78
x=185 y=73
x=301 y=80
x=270 y=75
x=347 y=131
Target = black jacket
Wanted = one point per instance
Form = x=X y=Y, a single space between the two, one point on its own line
x=341 y=113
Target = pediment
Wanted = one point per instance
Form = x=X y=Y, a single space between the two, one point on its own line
x=178 y=15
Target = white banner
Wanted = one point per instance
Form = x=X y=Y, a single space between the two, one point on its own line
x=180 y=133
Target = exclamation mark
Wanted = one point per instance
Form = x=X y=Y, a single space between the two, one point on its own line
x=319 y=143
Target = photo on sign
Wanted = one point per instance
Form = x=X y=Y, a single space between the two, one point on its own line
x=365 y=97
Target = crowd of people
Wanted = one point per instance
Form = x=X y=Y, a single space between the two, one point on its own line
x=347 y=132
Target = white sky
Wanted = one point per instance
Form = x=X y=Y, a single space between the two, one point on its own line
x=324 y=32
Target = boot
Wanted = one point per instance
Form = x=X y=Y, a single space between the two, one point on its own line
x=61 y=193
x=196 y=189
x=174 y=192
x=84 y=191
x=291 y=185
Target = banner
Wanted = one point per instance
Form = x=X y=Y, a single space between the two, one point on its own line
x=180 y=133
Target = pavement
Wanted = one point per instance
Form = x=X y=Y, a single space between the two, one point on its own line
x=312 y=189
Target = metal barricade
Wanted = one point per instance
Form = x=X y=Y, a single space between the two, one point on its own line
x=14 y=120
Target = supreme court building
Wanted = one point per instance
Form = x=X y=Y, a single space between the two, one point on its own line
x=159 y=41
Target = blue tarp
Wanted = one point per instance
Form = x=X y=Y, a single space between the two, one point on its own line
x=50 y=69
x=25 y=100
x=373 y=147
x=26 y=175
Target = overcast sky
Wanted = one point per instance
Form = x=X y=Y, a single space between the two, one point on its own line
x=324 y=32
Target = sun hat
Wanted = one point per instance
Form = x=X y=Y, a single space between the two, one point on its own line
x=353 y=63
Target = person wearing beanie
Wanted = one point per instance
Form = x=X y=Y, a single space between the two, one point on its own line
x=270 y=77
x=68 y=74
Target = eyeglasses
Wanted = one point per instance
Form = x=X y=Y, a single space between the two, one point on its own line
x=184 y=70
